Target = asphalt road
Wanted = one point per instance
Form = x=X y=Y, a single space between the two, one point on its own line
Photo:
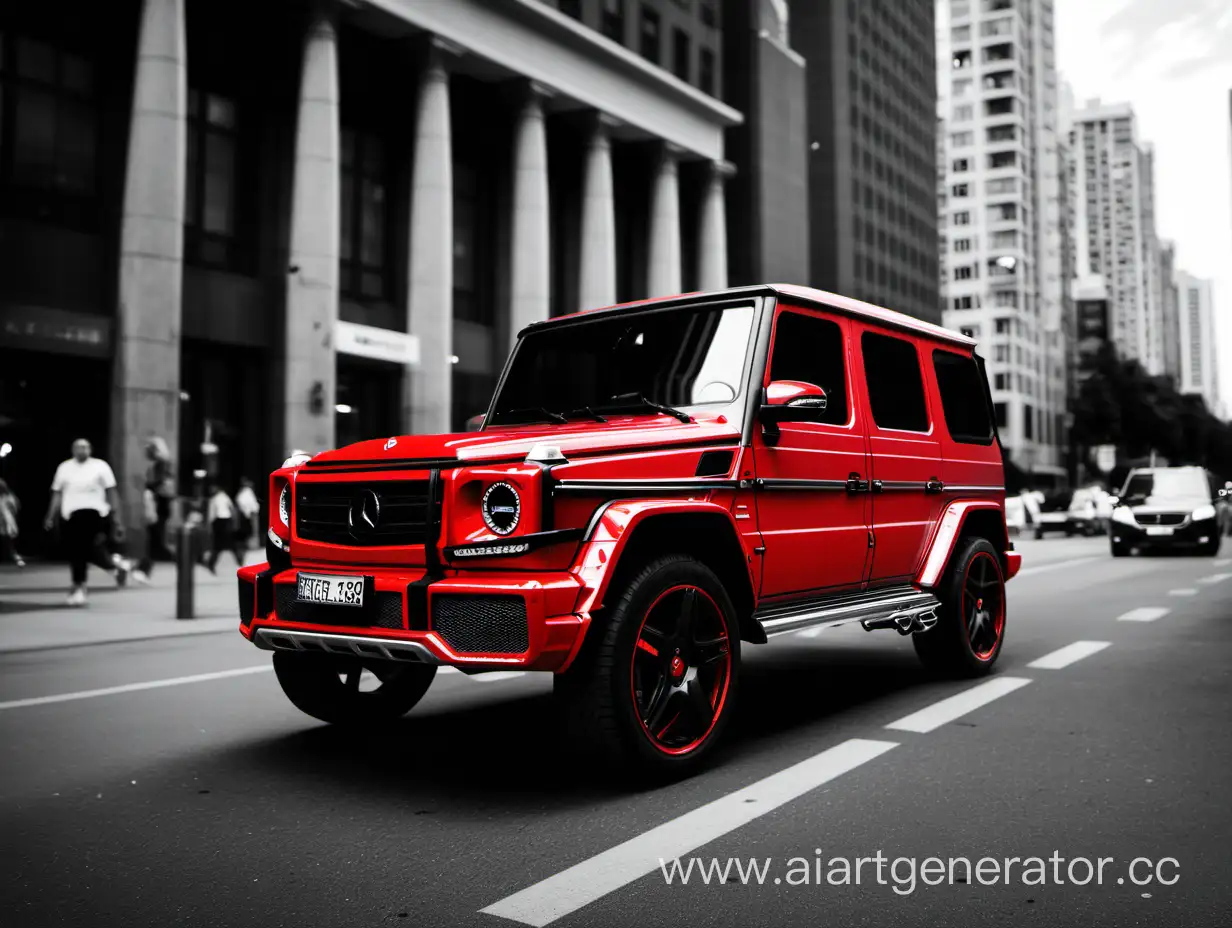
x=211 y=801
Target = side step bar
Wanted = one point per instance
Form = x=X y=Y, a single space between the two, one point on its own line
x=903 y=608
x=408 y=652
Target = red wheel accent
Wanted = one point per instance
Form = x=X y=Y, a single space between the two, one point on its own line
x=681 y=669
x=983 y=605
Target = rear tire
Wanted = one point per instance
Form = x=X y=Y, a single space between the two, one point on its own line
x=329 y=687
x=970 y=629
x=654 y=686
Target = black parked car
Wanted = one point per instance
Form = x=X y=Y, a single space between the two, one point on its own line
x=1168 y=507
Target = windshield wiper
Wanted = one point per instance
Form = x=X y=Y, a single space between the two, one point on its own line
x=587 y=412
x=534 y=412
x=639 y=401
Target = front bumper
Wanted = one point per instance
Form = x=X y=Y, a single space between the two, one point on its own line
x=1190 y=533
x=509 y=619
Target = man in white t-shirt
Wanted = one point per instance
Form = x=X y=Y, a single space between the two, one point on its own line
x=83 y=496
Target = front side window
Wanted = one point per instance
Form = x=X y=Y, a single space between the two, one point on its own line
x=964 y=401
x=682 y=358
x=895 y=387
x=810 y=349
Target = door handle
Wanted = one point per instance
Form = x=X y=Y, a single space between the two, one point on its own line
x=933 y=485
x=855 y=484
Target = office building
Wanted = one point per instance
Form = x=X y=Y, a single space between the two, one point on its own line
x=871 y=124
x=1003 y=251
x=1199 y=348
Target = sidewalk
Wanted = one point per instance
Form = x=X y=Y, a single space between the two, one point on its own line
x=33 y=614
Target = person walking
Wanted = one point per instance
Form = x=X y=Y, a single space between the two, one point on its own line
x=221 y=514
x=250 y=512
x=9 y=507
x=159 y=491
x=83 y=497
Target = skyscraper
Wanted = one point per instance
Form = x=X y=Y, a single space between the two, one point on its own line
x=871 y=111
x=1112 y=178
x=1001 y=214
x=1169 y=311
x=1199 y=351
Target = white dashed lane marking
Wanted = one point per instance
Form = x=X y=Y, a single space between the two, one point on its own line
x=1215 y=578
x=1056 y=565
x=1184 y=591
x=1070 y=654
x=933 y=717
x=1144 y=614
x=581 y=884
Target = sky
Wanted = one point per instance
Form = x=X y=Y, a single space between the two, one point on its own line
x=1172 y=60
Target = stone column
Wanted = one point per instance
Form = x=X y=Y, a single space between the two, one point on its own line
x=530 y=267
x=312 y=280
x=146 y=395
x=597 y=280
x=663 y=276
x=712 y=234
x=428 y=387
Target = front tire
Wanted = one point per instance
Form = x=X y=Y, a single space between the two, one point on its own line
x=333 y=688
x=1120 y=550
x=656 y=681
x=970 y=629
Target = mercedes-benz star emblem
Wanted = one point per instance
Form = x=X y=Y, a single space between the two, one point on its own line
x=365 y=513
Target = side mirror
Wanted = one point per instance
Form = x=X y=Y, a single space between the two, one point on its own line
x=790 y=401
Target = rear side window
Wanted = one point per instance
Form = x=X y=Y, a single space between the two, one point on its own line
x=964 y=400
x=895 y=388
x=810 y=349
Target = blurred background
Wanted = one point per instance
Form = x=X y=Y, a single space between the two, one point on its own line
x=252 y=227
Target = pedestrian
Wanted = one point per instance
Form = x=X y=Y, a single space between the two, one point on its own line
x=84 y=497
x=221 y=514
x=250 y=512
x=9 y=507
x=156 y=499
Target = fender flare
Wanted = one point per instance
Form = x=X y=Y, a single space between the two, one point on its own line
x=949 y=529
x=609 y=533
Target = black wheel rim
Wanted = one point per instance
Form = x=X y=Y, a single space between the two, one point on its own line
x=983 y=605
x=681 y=669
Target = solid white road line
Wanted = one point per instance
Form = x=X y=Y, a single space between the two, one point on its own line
x=592 y=879
x=1144 y=614
x=1215 y=578
x=135 y=687
x=1056 y=565
x=1070 y=654
x=934 y=716
x=1184 y=591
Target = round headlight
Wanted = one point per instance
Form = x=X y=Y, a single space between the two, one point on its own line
x=284 y=505
x=501 y=507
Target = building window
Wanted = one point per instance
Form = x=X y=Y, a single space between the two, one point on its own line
x=963 y=273
x=705 y=71
x=962 y=139
x=1000 y=410
x=962 y=218
x=365 y=216
x=612 y=22
x=963 y=112
x=999 y=185
x=210 y=194
x=1001 y=353
x=467 y=301
x=1002 y=325
x=1002 y=134
x=1002 y=159
x=962 y=244
x=960 y=190
x=963 y=302
x=49 y=146
x=1028 y=423
x=1001 y=382
x=680 y=54
x=709 y=17
x=960 y=165
x=649 y=45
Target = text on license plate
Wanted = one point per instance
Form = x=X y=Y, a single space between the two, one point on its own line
x=1159 y=530
x=334 y=591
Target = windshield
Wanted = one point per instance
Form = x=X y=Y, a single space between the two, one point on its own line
x=678 y=358
x=1164 y=486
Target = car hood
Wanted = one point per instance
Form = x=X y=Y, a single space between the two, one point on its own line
x=619 y=434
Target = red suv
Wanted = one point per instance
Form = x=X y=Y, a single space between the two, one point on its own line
x=654 y=486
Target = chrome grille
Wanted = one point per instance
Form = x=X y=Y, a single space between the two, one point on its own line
x=1160 y=518
x=323 y=512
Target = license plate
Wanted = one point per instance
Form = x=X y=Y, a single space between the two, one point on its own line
x=1159 y=530
x=330 y=590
